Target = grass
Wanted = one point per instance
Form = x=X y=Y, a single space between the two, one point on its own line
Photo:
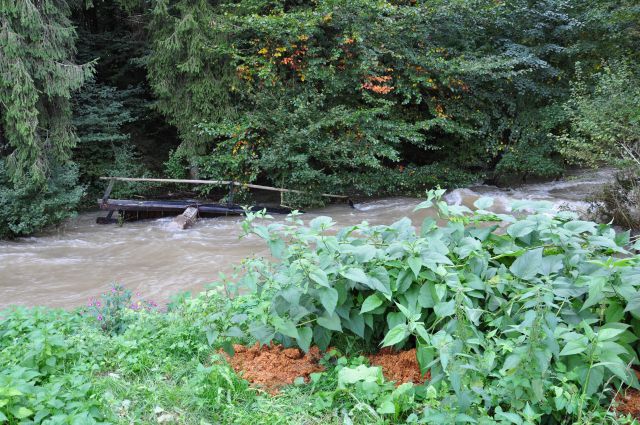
x=198 y=394
x=161 y=369
x=60 y=367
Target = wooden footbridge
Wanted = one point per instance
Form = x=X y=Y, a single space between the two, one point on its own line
x=187 y=210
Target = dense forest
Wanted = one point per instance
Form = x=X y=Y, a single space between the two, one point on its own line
x=360 y=97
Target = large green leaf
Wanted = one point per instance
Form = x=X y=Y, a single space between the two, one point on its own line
x=328 y=299
x=379 y=281
x=21 y=412
x=596 y=286
x=425 y=356
x=415 y=263
x=349 y=376
x=578 y=226
x=330 y=321
x=355 y=323
x=319 y=276
x=404 y=280
x=425 y=298
x=322 y=337
x=575 y=346
x=395 y=335
x=285 y=327
x=444 y=309
x=261 y=332
x=363 y=253
x=467 y=246
x=371 y=303
x=528 y=265
x=305 y=334
x=521 y=228
x=356 y=274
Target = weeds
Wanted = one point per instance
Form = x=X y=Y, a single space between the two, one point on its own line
x=529 y=323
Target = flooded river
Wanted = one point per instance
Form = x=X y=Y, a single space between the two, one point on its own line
x=66 y=267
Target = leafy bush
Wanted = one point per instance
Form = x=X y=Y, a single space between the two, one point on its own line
x=28 y=206
x=319 y=95
x=619 y=201
x=604 y=111
x=605 y=117
x=519 y=319
x=44 y=368
x=533 y=315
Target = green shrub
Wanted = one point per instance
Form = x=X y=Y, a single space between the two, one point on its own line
x=531 y=316
x=531 y=319
x=28 y=206
x=44 y=368
x=604 y=113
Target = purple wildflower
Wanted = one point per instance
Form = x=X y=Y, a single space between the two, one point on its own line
x=99 y=317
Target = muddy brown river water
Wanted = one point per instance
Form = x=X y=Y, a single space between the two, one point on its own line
x=66 y=267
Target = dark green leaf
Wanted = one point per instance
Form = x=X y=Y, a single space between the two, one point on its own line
x=331 y=322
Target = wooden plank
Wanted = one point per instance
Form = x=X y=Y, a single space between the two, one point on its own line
x=144 y=179
x=187 y=218
x=107 y=192
x=179 y=206
x=217 y=182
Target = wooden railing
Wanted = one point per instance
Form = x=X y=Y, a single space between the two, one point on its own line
x=212 y=182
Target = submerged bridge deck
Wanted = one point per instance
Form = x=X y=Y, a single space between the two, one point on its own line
x=178 y=206
x=140 y=209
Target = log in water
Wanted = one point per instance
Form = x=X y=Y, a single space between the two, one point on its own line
x=66 y=267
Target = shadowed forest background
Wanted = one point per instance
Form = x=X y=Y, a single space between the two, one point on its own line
x=358 y=97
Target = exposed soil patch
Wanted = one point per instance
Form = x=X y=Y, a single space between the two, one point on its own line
x=273 y=366
x=628 y=403
x=399 y=366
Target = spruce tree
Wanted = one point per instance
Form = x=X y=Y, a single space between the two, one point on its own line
x=38 y=75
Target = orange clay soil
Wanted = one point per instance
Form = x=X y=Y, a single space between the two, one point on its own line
x=399 y=366
x=628 y=402
x=272 y=366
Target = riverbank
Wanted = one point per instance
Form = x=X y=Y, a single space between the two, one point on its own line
x=69 y=265
x=484 y=303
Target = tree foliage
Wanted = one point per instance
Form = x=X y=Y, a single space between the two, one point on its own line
x=604 y=111
x=366 y=97
x=38 y=77
x=311 y=93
